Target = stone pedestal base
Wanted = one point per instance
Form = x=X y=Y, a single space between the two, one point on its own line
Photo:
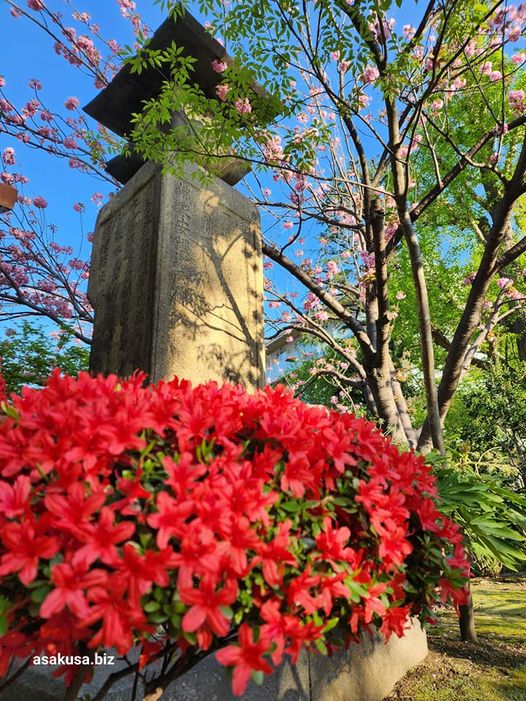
x=367 y=671
x=176 y=282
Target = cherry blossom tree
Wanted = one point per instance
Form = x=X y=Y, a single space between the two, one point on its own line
x=39 y=276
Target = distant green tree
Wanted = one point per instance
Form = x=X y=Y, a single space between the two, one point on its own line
x=486 y=427
x=29 y=354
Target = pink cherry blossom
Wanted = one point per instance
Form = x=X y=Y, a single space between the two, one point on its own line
x=243 y=105
x=470 y=49
x=79 y=207
x=2 y=81
x=370 y=74
x=363 y=100
x=332 y=268
x=219 y=66
x=503 y=281
x=222 y=91
x=516 y=100
x=35 y=5
x=71 y=103
x=39 y=202
x=126 y=5
x=486 y=68
x=9 y=156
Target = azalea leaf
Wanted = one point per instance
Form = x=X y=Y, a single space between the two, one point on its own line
x=226 y=611
x=38 y=595
x=258 y=677
x=321 y=647
x=291 y=506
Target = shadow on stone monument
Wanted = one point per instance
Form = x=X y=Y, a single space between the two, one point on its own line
x=176 y=281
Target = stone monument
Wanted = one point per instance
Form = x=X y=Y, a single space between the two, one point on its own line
x=176 y=272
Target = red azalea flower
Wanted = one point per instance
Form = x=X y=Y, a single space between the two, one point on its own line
x=74 y=509
x=101 y=538
x=395 y=620
x=14 y=499
x=331 y=541
x=136 y=572
x=245 y=658
x=71 y=580
x=119 y=618
x=275 y=555
x=170 y=518
x=25 y=549
x=205 y=606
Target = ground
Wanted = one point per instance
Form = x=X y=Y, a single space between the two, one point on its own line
x=493 y=670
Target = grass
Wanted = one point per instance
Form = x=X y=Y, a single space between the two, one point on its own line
x=493 y=670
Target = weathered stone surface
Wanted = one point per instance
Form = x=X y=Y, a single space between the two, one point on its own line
x=369 y=670
x=231 y=170
x=366 y=672
x=176 y=281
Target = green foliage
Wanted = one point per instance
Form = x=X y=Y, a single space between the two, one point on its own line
x=486 y=426
x=492 y=516
x=28 y=356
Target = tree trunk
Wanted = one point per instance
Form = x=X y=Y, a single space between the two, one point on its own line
x=80 y=676
x=467 y=621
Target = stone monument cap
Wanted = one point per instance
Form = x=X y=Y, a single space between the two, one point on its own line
x=124 y=96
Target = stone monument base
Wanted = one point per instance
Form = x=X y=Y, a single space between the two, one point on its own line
x=367 y=671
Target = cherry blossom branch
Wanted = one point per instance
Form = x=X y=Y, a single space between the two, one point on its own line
x=511 y=254
x=336 y=307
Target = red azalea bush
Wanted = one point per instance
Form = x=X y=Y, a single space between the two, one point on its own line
x=190 y=519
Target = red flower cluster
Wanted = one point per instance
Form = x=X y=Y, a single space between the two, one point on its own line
x=186 y=514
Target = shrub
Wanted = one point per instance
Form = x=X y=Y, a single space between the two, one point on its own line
x=191 y=519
